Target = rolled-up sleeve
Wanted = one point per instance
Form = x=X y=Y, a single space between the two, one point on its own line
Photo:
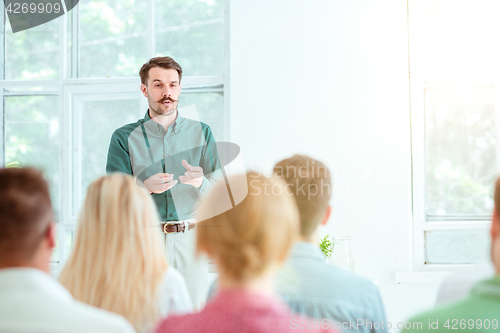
x=210 y=163
x=118 y=154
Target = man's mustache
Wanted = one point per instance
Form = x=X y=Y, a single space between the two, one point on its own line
x=168 y=99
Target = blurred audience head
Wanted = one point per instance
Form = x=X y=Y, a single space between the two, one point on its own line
x=252 y=238
x=118 y=262
x=309 y=181
x=27 y=230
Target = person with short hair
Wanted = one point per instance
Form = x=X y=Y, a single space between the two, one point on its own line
x=306 y=282
x=118 y=261
x=30 y=299
x=478 y=312
x=247 y=244
x=175 y=158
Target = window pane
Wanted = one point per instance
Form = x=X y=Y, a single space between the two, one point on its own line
x=460 y=139
x=457 y=37
x=32 y=53
x=92 y=130
x=32 y=136
x=68 y=243
x=192 y=32
x=112 y=38
x=210 y=108
x=457 y=246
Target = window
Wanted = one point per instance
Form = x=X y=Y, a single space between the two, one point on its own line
x=455 y=127
x=68 y=84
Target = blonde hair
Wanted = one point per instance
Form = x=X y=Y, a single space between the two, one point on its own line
x=309 y=181
x=249 y=238
x=117 y=262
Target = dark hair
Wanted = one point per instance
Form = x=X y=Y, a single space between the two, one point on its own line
x=25 y=211
x=163 y=62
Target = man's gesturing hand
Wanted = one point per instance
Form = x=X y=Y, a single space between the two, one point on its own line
x=193 y=175
x=160 y=182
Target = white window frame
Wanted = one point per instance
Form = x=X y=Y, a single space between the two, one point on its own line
x=69 y=87
x=420 y=221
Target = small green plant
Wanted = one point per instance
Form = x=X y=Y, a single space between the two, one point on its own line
x=326 y=246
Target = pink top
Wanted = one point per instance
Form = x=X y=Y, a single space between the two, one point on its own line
x=238 y=310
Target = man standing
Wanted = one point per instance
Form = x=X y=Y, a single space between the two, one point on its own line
x=175 y=159
x=30 y=299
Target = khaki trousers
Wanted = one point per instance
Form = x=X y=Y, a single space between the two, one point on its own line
x=179 y=248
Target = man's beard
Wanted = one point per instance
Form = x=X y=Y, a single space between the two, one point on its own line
x=167 y=113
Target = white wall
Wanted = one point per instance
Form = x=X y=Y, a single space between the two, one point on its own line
x=329 y=78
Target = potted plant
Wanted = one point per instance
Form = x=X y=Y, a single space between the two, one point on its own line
x=337 y=251
x=326 y=246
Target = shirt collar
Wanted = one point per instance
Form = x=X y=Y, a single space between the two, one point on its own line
x=307 y=250
x=31 y=278
x=157 y=128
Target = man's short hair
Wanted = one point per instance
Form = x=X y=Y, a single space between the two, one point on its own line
x=309 y=181
x=25 y=212
x=163 y=62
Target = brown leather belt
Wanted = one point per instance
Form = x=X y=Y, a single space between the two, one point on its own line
x=173 y=227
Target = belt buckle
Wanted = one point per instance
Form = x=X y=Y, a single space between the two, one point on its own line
x=165 y=228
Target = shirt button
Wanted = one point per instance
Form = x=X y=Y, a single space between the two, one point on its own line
x=170 y=194
x=170 y=215
x=168 y=155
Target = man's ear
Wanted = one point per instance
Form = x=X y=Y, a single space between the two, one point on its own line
x=327 y=215
x=495 y=224
x=495 y=244
x=144 y=90
x=51 y=235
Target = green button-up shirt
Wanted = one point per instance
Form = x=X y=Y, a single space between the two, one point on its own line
x=144 y=148
x=320 y=290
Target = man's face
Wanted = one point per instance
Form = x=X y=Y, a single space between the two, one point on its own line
x=162 y=90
